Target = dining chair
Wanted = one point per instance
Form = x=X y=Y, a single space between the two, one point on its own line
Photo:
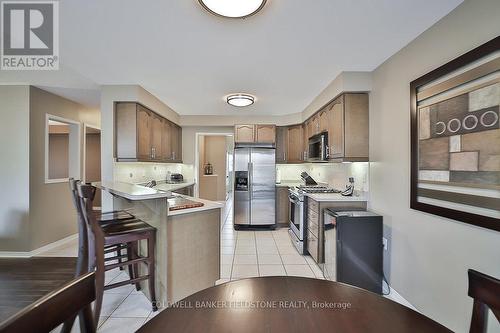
x=485 y=290
x=129 y=232
x=55 y=308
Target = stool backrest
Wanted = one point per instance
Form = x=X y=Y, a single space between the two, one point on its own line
x=485 y=290
x=52 y=310
x=95 y=234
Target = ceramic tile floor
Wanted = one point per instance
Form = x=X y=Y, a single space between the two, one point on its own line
x=261 y=253
x=243 y=254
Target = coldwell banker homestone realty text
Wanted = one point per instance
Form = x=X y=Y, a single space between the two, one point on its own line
x=30 y=35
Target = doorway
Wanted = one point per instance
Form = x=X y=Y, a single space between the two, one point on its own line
x=215 y=168
x=92 y=158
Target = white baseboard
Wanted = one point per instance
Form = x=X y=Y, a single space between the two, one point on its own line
x=396 y=297
x=45 y=248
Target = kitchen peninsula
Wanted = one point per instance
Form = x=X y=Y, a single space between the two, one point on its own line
x=188 y=240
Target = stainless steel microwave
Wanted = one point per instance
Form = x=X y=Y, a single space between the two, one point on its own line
x=318 y=148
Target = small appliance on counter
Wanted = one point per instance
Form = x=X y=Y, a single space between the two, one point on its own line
x=353 y=248
x=308 y=179
x=175 y=178
x=208 y=169
x=349 y=189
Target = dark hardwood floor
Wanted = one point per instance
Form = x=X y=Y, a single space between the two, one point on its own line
x=22 y=281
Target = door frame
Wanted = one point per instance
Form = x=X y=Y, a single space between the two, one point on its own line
x=197 y=156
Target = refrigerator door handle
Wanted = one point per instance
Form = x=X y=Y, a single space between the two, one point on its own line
x=250 y=191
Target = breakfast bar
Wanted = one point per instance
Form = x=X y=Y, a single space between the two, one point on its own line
x=187 y=238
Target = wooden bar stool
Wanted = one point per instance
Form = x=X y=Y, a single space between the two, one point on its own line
x=128 y=232
x=102 y=218
x=485 y=290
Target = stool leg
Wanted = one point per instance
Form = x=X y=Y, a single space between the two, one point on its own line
x=119 y=253
x=99 y=281
x=151 y=269
x=130 y=256
x=135 y=254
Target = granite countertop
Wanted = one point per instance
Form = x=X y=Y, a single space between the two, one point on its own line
x=207 y=205
x=132 y=191
x=357 y=196
x=136 y=192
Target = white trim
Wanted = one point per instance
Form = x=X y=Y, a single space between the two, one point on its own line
x=73 y=172
x=45 y=248
x=396 y=297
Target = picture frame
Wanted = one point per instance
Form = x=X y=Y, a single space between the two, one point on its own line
x=455 y=139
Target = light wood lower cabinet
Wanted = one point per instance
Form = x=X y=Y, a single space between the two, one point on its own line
x=143 y=135
x=282 y=203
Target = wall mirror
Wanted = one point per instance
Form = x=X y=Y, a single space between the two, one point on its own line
x=62 y=149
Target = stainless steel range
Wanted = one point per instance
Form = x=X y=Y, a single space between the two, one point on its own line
x=298 y=227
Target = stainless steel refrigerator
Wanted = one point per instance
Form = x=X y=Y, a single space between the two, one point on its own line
x=254 y=186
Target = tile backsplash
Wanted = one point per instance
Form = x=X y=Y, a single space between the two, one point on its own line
x=335 y=174
x=137 y=172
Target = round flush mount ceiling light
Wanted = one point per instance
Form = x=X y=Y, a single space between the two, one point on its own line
x=233 y=8
x=240 y=100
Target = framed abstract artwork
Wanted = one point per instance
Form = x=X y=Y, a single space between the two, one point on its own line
x=455 y=138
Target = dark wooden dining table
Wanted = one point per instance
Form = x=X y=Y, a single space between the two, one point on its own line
x=288 y=304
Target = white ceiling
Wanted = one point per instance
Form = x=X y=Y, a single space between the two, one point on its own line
x=285 y=55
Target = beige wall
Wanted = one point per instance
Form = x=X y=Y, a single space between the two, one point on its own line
x=52 y=215
x=93 y=157
x=189 y=139
x=58 y=155
x=14 y=169
x=428 y=255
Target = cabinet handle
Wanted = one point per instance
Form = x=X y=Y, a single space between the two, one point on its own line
x=284 y=156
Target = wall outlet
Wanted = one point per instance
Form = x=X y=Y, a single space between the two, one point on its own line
x=385 y=243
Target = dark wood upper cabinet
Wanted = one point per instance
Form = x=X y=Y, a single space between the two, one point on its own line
x=156 y=137
x=281 y=144
x=295 y=153
x=176 y=139
x=143 y=135
x=336 y=128
x=346 y=121
x=166 y=151
x=348 y=130
x=144 y=148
